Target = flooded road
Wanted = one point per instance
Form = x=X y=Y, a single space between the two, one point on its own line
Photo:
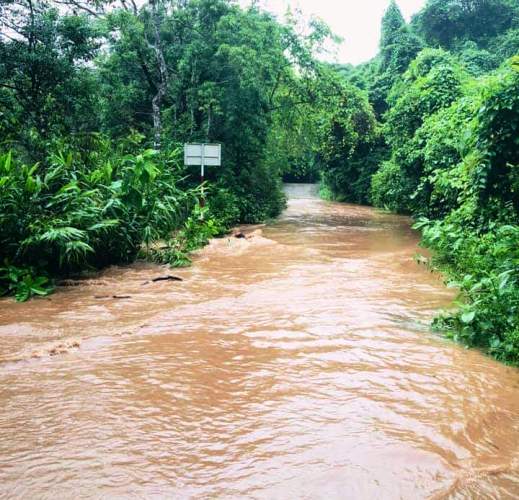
x=296 y=363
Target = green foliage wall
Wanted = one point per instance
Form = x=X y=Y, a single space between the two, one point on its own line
x=432 y=82
x=398 y=47
x=450 y=122
x=85 y=210
x=351 y=147
x=459 y=174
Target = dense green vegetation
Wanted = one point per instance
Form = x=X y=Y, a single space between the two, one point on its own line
x=97 y=97
x=445 y=89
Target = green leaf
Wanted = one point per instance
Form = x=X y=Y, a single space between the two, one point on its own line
x=22 y=295
x=468 y=317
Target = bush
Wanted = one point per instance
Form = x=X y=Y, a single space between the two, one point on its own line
x=478 y=61
x=76 y=212
x=223 y=207
x=390 y=189
x=485 y=268
x=259 y=196
x=23 y=283
x=195 y=232
x=83 y=210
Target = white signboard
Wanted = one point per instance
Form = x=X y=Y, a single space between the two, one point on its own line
x=208 y=155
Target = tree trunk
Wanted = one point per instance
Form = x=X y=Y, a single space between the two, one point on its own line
x=163 y=78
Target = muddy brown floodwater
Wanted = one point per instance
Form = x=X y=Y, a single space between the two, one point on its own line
x=297 y=363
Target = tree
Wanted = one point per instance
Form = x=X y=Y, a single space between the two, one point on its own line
x=231 y=73
x=350 y=147
x=432 y=82
x=398 y=47
x=445 y=22
x=392 y=22
x=45 y=84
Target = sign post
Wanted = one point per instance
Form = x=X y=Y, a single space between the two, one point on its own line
x=202 y=174
x=203 y=155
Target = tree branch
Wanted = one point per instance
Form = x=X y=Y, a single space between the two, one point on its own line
x=80 y=6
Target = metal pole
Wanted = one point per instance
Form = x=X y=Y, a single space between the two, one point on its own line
x=202 y=172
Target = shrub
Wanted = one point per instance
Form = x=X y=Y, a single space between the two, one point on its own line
x=223 y=207
x=390 y=188
x=485 y=268
x=87 y=210
x=23 y=283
